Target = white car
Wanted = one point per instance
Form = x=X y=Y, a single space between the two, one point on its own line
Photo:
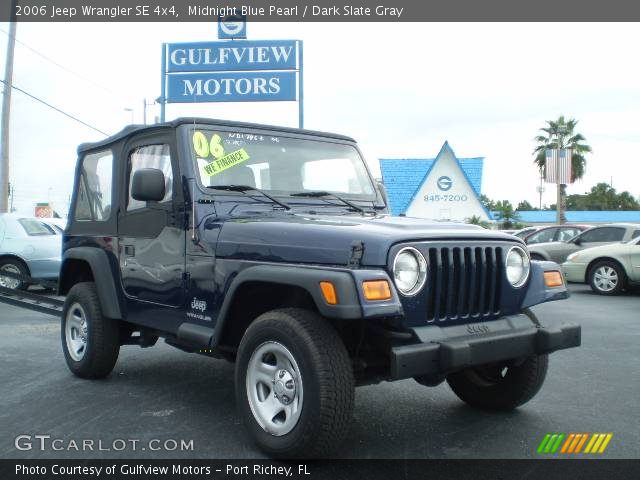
x=609 y=269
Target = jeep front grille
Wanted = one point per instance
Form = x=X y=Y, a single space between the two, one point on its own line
x=463 y=282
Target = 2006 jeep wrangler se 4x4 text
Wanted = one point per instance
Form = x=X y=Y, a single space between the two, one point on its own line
x=272 y=247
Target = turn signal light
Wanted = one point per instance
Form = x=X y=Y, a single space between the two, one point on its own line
x=553 y=279
x=329 y=293
x=376 y=290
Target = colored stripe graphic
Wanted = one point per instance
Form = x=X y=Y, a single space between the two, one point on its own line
x=581 y=442
x=543 y=443
x=551 y=442
x=574 y=443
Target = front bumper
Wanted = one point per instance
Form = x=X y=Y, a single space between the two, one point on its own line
x=447 y=349
x=574 y=272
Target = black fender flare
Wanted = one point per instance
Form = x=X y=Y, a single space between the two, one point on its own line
x=103 y=276
x=308 y=278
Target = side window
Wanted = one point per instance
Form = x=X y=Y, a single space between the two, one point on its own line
x=603 y=234
x=83 y=209
x=150 y=156
x=567 y=234
x=635 y=234
x=93 y=200
x=545 y=235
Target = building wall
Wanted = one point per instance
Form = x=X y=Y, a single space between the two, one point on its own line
x=446 y=193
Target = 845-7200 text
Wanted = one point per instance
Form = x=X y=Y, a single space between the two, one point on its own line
x=449 y=197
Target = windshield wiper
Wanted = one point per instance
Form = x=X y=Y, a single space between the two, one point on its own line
x=247 y=188
x=320 y=193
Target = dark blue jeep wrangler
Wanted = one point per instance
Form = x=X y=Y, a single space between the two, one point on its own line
x=272 y=247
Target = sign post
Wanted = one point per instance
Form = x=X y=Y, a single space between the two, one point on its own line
x=163 y=84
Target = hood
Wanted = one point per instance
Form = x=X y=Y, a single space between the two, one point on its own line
x=327 y=239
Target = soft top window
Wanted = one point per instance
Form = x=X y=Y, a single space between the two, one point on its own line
x=93 y=200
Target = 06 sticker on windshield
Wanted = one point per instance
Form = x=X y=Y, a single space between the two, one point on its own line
x=204 y=148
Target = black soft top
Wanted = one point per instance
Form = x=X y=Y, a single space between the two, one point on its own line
x=131 y=129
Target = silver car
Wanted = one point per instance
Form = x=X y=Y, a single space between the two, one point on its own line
x=593 y=237
x=28 y=247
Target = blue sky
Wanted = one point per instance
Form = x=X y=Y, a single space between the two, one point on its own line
x=400 y=89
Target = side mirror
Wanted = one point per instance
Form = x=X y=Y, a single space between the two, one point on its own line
x=147 y=185
x=577 y=241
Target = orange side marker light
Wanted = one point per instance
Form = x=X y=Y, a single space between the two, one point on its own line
x=376 y=290
x=553 y=279
x=329 y=293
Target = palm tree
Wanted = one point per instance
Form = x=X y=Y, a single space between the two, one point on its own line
x=506 y=214
x=560 y=133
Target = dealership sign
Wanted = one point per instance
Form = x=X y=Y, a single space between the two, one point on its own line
x=232 y=71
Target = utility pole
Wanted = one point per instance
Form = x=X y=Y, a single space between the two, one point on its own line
x=6 y=113
x=146 y=104
x=560 y=218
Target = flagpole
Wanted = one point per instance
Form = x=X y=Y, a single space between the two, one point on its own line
x=558 y=215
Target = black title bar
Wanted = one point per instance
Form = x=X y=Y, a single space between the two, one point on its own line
x=320 y=10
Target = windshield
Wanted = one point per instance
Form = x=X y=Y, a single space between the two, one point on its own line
x=279 y=165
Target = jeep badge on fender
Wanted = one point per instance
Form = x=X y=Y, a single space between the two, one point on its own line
x=273 y=248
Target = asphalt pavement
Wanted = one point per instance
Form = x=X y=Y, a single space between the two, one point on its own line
x=162 y=398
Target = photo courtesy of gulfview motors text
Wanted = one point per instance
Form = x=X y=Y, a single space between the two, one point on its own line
x=133 y=470
x=318 y=240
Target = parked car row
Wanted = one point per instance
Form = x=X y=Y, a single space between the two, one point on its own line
x=606 y=257
x=551 y=233
x=29 y=247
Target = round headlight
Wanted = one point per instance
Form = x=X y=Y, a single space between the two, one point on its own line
x=409 y=271
x=518 y=267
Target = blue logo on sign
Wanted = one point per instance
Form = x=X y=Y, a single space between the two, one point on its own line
x=232 y=26
x=445 y=183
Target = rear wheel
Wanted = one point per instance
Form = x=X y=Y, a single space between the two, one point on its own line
x=15 y=267
x=90 y=340
x=607 y=278
x=294 y=384
x=500 y=386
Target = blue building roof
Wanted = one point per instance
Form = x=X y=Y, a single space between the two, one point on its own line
x=403 y=176
x=584 y=216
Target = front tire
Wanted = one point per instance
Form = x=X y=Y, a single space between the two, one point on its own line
x=500 y=387
x=90 y=341
x=294 y=384
x=16 y=267
x=607 y=278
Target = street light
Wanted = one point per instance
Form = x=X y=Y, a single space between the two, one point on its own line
x=131 y=111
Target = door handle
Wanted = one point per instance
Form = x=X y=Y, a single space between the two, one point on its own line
x=129 y=251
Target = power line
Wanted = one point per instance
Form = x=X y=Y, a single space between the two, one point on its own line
x=62 y=67
x=57 y=109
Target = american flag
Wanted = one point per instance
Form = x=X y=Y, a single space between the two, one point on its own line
x=551 y=166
